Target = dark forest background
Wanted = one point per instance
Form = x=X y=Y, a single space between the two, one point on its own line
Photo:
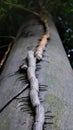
x=13 y=14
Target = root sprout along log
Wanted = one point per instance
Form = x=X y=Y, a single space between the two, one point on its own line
x=34 y=98
x=31 y=59
x=34 y=90
x=42 y=45
x=39 y=118
x=43 y=42
x=34 y=85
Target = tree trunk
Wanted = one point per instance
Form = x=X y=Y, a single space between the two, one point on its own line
x=55 y=77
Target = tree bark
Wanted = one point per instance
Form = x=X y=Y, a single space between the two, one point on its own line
x=55 y=77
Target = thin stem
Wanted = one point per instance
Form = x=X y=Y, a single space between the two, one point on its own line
x=22 y=7
x=3 y=46
x=12 y=37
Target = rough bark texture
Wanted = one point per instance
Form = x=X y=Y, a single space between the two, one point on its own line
x=53 y=71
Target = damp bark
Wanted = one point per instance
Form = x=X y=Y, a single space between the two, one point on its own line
x=55 y=77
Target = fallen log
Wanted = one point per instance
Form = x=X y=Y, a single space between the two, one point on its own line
x=57 y=74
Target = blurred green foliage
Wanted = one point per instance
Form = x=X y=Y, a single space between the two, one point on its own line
x=14 y=12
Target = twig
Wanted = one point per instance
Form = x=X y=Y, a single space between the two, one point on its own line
x=22 y=7
x=5 y=55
